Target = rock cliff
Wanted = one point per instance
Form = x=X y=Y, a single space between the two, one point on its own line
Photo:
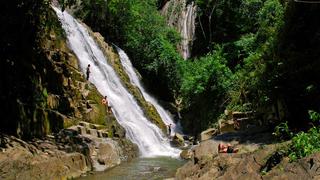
x=44 y=93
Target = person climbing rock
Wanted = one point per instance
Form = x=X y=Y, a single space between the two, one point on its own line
x=227 y=148
x=88 y=71
x=105 y=102
x=88 y=105
x=114 y=131
x=169 y=129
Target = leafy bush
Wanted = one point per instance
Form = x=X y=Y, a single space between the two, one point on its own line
x=204 y=85
x=304 y=144
x=314 y=116
x=282 y=131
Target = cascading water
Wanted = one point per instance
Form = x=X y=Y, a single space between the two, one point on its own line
x=183 y=19
x=147 y=136
x=126 y=63
x=187 y=27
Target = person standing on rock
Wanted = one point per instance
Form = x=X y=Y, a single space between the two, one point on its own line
x=169 y=129
x=105 y=102
x=88 y=72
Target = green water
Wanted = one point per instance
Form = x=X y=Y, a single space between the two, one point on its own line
x=141 y=168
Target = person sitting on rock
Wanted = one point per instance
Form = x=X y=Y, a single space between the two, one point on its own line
x=88 y=105
x=227 y=148
x=236 y=124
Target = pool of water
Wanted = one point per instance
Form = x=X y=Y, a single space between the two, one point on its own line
x=141 y=168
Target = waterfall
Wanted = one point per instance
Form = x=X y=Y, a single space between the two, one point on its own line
x=183 y=19
x=187 y=29
x=134 y=79
x=139 y=130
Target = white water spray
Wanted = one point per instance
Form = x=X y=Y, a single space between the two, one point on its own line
x=146 y=135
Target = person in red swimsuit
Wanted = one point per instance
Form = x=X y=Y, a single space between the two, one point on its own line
x=105 y=102
x=222 y=148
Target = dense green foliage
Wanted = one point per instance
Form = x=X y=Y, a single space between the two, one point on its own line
x=243 y=34
x=243 y=55
x=293 y=72
x=272 y=50
x=204 y=88
x=304 y=144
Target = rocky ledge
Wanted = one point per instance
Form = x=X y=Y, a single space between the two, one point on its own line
x=67 y=154
x=259 y=157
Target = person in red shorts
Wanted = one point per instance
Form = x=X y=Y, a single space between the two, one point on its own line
x=222 y=148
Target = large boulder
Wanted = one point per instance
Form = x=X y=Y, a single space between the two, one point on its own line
x=208 y=164
x=186 y=154
x=208 y=134
x=305 y=168
x=108 y=155
x=177 y=140
x=104 y=152
x=226 y=126
x=253 y=161
x=39 y=159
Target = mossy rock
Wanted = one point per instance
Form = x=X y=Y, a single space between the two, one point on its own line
x=99 y=110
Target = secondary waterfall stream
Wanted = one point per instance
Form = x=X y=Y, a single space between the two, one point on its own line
x=182 y=15
x=167 y=119
x=187 y=27
x=147 y=136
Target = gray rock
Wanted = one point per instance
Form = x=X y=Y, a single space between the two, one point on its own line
x=186 y=154
x=208 y=134
x=177 y=140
